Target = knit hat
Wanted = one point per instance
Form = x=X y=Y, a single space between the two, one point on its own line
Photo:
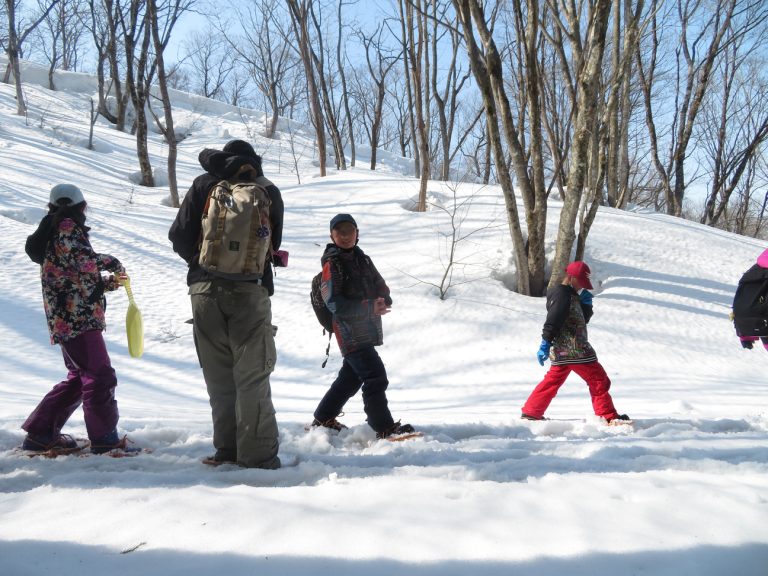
x=241 y=148
x=235 y=151
x=339 y=218
x=581 y=272
x=68 y=191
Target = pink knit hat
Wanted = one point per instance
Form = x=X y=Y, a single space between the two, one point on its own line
x=762 y=260
x=581 y=271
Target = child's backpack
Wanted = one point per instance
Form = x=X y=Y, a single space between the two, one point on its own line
x=324 y=316
x=236 y=234
x=750 y=304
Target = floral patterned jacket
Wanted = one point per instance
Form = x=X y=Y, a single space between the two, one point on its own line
x=566 y=327
x=73 y=288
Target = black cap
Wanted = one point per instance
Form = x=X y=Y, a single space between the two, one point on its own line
x=339 y=218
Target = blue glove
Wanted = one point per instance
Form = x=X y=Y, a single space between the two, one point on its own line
x=543 y=352
x=585 y=297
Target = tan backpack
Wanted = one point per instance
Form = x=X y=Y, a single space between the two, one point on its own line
x=236 y=232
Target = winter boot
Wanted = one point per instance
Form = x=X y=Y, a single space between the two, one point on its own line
x=331 y=423
x=111 y=441
x=396 y=429
x=219 y=458
x=62 y=444
x=618 y=420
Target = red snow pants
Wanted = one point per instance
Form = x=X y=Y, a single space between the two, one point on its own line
x=592 y=373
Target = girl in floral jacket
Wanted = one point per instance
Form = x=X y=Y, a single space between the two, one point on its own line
x=73 y=297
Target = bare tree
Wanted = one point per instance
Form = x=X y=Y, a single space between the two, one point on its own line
x=380 y=63
x=264 y=48
x=62 y=36
x=608 y=155
x=206 y=54
x=398 y=118
x=588 y=56
x=136 y=34
x=452 y=238
x=14 y=44
x=702 y=39
x=114 y=12
x=405 y=110
x=94 y=20
x=341 y=68
x=453 y=80
x=300 y=17
x=618 y=112
x=413 y=14
x=735 y=126
x=486 y=65
x=325 y=83
x=160 y=38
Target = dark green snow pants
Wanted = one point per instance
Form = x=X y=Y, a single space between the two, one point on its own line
x=236 y=347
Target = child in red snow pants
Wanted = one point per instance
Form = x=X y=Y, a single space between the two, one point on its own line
x=595 y=377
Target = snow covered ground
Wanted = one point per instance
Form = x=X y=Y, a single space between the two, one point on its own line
x=684 y=491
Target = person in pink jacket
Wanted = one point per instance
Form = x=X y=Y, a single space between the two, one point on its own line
x=750 y=304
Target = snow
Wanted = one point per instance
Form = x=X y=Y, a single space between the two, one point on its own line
x=683 y=491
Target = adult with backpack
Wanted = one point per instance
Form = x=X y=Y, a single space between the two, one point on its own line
x=229 y=224
x=750 y=304
x=356 y=297
x=73 y=295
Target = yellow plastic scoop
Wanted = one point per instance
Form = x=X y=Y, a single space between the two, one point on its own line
x=134 y=325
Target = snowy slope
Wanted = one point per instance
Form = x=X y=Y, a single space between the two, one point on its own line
x=685 y=491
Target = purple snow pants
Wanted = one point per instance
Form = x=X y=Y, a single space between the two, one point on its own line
x=90 y=381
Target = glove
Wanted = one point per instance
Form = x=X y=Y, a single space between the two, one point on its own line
x=585 y=297
x=543 y=352
x=747 y=344
x=280 y=258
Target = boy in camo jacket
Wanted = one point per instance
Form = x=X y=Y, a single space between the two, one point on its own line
x=564 y=342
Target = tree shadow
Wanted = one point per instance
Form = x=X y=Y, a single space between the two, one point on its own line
x=36 y=557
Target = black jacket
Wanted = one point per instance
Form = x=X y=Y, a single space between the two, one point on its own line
x=750 y=309
x=185 y=230
x=350 y=286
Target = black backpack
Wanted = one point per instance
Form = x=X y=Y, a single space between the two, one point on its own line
x=324 y=316
x=750 y=304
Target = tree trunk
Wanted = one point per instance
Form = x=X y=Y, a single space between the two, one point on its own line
x=534 y=198
x=584 y=124
x=612 y=177
x=598 y=170
x=484 y=67
x=169 y=132
x=138 y=85
x=416 y=47
x=534 y=194
x=12 y=50
x=318 y=58
x=409 y=91
x=344 y=95
x=112 y=14
x=300 y=16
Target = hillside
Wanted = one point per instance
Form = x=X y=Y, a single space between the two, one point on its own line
x=683 y=491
